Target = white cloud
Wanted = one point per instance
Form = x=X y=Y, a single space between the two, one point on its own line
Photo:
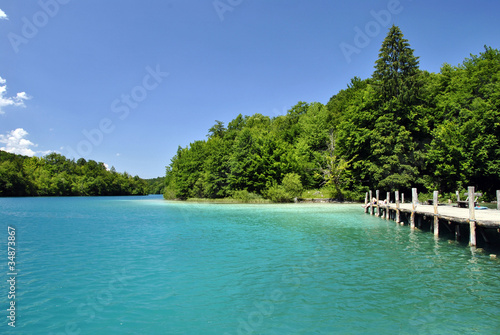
x=3 y=16
x=16 y=143
x=17 y=100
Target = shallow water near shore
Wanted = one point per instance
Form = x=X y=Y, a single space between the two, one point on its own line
x=142 y=265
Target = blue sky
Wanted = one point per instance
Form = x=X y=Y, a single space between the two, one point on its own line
x=126 y=82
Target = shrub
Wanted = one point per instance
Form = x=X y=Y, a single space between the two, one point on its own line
x=169 y=193
x=292 y=185
x=357 y=194
x=445 y=196
x=245 y=196
x=423 y=197
x=277 y=193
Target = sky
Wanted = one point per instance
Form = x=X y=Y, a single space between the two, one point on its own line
x=125 y=82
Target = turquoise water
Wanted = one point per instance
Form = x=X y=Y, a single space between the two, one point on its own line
x=141 y=265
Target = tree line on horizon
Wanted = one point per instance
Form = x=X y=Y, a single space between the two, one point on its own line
x=55 y=175
x=401 y=128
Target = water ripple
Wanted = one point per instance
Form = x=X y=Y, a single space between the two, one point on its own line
x=136 y=265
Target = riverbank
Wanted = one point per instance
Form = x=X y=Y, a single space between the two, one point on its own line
x=228 y=201
x=266 y=201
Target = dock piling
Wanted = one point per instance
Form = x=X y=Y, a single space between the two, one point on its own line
x=371 y=203
x=498 y=200
x=414 y=199
x=366 y=202
x=436 y=215
x=398 y=219
x=378 y=205
x=472 y=217
x=387 y=201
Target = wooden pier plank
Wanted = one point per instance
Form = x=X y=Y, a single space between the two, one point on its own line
x=485 y=218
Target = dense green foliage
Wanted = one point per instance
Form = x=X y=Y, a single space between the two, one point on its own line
x=156 y=185
x=55 y=175
x=401 y=128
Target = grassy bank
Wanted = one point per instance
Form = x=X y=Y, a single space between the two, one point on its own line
x=230 y=201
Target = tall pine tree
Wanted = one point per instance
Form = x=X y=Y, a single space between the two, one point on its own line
x=396 y=70
x=395 y=159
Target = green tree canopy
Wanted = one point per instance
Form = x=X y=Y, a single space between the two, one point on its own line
x=55 y=175
x=399 y=129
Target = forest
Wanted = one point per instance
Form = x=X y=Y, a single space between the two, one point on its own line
x=55 y=175
x=401 y=128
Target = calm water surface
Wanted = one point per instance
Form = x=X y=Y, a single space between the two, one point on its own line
x=141 y=265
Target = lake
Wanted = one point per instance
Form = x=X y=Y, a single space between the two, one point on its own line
x=142 y=265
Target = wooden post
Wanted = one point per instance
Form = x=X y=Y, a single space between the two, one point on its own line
x=387 y=199
x=378 y=205
x=383 y=213
x=436 y=215
x=371 y=203
x=472 y=217
x=398 y=219
x=457 y=231
x=402 y=198
x=458 y=196
x=498 y=200
x=366 y=202
x=414 y=199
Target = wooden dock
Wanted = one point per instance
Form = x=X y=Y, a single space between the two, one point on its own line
x=456 y=220
x=489 y=218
